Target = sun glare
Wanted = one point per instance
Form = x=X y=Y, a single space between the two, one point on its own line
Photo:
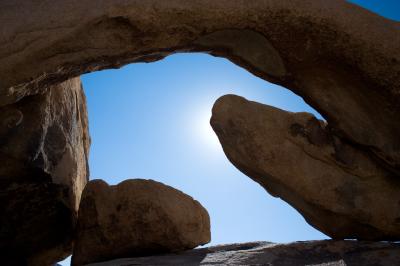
x=203 y=130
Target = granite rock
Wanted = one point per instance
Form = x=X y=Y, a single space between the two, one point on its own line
x=136 y=217
x=342 y=59
x=337 y=187
x=44 y=145
x=317 y=253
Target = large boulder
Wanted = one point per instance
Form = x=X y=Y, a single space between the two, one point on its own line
x=136 y=217
x=44 y=144
x=342 y=59
x=338 y=188
x=321 y=253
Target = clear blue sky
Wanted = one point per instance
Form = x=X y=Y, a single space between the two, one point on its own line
x=152 y=121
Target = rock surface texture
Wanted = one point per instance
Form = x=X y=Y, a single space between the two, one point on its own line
x=338 y=188
x=342 y=59
x=136 y=217
x=44 y=144
x=323 y=253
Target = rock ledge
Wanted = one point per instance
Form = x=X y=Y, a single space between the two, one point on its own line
x=324 y=252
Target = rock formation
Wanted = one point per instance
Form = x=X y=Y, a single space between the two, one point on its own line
x=338 y=188
x=332 y=253
x=343 y=60
x=43 y=152
x=136 y=217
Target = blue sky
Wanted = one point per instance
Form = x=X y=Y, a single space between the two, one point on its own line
x=152 y=121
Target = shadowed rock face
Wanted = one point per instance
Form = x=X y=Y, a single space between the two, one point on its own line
x=332 y=253
x=134 y=218
x=342 y=59
x=44 y=144
x=338 y=188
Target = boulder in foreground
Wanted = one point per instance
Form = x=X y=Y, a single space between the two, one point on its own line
x=135 y=218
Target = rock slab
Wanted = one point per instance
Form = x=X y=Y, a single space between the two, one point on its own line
x=44 y=145
x=337 y=187
x=321 y=253
x=134 y=218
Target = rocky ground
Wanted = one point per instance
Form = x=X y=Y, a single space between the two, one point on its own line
x=322 y=253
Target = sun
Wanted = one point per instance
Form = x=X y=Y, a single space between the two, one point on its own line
x=203 y=130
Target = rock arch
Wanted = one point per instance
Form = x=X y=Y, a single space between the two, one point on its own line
x=342 y=59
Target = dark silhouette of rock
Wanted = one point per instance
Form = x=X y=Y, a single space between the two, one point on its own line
x=43 y=152
x=338 y=188
x=326 y=252
x=134 y=218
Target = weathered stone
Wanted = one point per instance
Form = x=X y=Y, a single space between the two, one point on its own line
x=322 y=253
x=136 y=217
x=343 y=60
x=338 y=188
x=44 y=143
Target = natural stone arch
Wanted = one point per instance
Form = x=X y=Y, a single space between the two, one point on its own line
x=330 y=53
x=343 y=60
